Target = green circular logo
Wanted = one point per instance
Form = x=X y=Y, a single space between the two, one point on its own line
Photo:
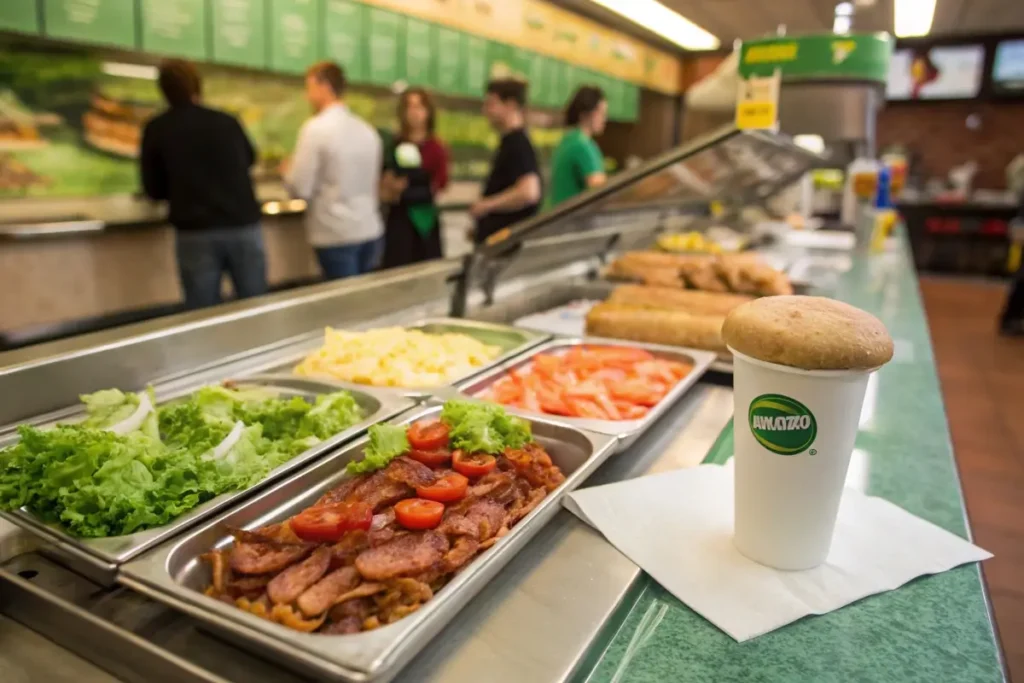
x=782 y=424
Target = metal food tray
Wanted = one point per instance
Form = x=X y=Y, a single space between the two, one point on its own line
x=174 y=574
x=627 y=431
x=511 y=340
x=99 y=558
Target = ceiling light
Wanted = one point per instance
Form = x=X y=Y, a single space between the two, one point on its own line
x=668 y=24
x=913 y=17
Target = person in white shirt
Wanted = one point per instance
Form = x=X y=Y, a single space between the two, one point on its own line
x=336 y=169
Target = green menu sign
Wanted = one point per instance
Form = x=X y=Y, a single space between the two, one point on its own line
x=475 y=70
x=107 y=22
x=174 y=27
x=857 y=57
x=448 y=65
x=293 y=31
x=344 y=37
x=384 y=31
x=420 y=52
x=500 y=59
x=630 y=101
x=19 y=15
x=240 y=32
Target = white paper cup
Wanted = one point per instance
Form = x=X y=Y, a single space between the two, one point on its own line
x=794 y=433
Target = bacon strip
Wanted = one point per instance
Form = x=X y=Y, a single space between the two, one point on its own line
x=319 y=598
x=287 y=586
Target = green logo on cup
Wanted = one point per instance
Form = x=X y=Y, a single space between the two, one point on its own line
x=781 y=424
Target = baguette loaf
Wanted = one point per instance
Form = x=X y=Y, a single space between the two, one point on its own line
x=667 y=298
x=673 y=328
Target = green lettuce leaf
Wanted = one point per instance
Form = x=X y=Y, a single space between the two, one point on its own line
x=478 y=427
x=330 y=415
x=387 y=442
x=112 y=408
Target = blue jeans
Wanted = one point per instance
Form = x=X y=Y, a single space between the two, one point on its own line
x=205 y=255
x=350 y=259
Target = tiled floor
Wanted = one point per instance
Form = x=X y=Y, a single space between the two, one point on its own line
x=982 y=377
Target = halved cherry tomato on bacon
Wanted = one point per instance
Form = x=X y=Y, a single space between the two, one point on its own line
x=418 y=514
x=329 y=523
x=438 y=458
x=428 y=435
x=448 y=489
x=473 y=464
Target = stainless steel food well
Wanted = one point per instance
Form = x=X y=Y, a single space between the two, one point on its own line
x=175 y=575
x=627 y=431
x=98 y=558
x=511 y=340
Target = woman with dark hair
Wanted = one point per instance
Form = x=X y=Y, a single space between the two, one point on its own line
x=577 y=164
x=415 y=171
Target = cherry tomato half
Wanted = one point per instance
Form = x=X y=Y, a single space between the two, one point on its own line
x=418 y=514
x=428 y=435
x=330 y=522
x=473 y=464
x=448 y=489
x=438 y=458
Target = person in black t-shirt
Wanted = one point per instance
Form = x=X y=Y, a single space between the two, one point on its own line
x=513 y=191
x=198 y=159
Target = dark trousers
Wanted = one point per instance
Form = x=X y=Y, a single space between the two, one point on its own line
x=403 y=244
x=205 y=255
x=1013 y=310
x=349 y=259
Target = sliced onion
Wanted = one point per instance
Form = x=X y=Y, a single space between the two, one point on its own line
x=135 y=420
x=221 y=449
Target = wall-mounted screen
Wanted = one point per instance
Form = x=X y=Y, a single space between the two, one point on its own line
x=1008 y=67
x=951 y=72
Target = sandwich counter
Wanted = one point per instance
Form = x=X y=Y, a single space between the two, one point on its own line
x=546 y=598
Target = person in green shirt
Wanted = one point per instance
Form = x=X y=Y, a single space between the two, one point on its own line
x=577 y=164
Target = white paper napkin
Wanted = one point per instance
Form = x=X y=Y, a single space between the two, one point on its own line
x=677 y=527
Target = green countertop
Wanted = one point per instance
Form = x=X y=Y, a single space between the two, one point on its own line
x=937 y=628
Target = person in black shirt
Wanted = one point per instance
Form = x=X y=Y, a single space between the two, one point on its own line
x=513 y=191
x=198 y=159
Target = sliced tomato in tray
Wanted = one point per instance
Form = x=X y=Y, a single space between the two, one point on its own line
x=428 y=435
x=447 y=489
x=329 y=523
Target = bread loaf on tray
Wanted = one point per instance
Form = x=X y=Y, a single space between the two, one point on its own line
x=658 y=326
x=686 y=300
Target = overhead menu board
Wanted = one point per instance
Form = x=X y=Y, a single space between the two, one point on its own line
x=174 y=27
x=293 y=31
x=240 y=32
x=449 y=60
x=106 y=22
x=384 y=31
x=19 y=15
x=344 y=37
x=475 y=69
x=420 y=52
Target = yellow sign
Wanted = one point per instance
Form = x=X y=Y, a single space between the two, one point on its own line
x=539 y=26
x=757 y=103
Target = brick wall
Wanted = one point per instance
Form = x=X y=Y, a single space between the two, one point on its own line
x=938 y=133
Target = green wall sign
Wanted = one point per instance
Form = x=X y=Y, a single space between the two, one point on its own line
x=19 y=15
x=345 y=37
x=293 y=30
x=856 y=57
x=420 y=52
x=449 y=62
x=105 y=22
x=384 y=33
x=240 y=33
x=174 y=27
